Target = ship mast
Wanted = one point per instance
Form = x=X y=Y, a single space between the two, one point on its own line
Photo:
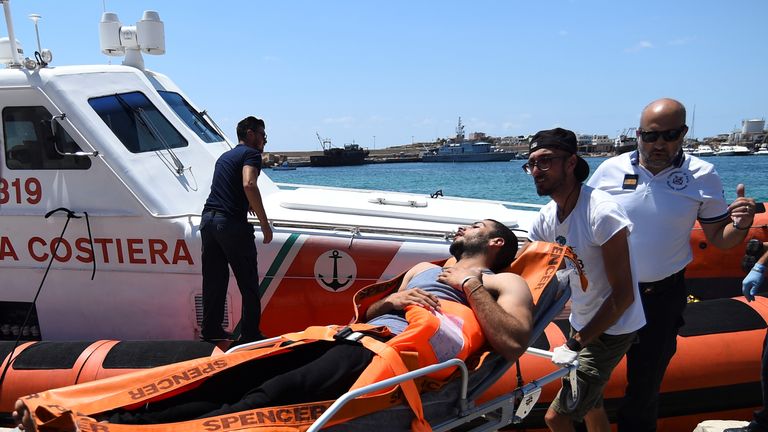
x=460 y=131
x=325 y=143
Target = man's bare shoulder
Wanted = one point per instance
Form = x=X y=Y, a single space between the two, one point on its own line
x=507 y=279
x=507 y=283
x=418 y=268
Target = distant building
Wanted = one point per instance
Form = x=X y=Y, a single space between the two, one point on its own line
x=752 y=126
x=585 y=143
x=477 y=136
x=752 y=134
x=602 y=143
x=512 y=140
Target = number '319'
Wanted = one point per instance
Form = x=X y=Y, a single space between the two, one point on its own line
x=31 y=191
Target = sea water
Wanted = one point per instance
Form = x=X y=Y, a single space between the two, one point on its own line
x=503 y=181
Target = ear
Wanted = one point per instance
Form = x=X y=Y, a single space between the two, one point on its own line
x=496 y=242
x=572 y=161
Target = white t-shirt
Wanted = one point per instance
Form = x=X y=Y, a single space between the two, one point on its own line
x=663 y=208
x=594 y=220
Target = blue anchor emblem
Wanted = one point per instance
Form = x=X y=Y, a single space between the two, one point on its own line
x=335 y=283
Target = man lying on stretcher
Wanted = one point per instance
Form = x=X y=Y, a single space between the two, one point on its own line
x=502 y=304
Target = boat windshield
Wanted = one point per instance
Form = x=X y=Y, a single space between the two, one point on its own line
x=137 y=123
x=194 y=119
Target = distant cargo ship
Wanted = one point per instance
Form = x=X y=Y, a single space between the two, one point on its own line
x=626 y=142
x=351 y=154
x=461 y=150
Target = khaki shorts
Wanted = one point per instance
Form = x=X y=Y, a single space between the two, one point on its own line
x=596 y=363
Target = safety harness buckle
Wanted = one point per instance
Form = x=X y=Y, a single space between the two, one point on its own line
x=347 y=334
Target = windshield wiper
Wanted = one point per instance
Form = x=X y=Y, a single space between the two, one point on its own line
x=150 y=127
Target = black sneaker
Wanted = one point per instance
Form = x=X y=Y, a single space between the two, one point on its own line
x=216 y=336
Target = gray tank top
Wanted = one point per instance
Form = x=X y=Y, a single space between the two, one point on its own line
x=427 y=281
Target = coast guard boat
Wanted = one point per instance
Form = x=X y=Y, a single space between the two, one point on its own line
x=104 y=170
x=128 y=158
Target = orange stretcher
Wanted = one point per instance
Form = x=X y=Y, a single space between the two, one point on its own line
x=416 y=396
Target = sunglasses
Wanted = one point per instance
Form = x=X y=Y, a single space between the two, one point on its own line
x=667 y=135
x=543 y=163
x=259 y=133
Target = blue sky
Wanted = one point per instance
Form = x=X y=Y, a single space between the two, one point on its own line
x=406 y=70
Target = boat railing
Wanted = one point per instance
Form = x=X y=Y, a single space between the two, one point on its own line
x=356 y=230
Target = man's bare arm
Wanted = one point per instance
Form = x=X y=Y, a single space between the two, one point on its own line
x=619 y=273
x=723 y=235
x=503 y=306
x=250 y=177
x=732 y=231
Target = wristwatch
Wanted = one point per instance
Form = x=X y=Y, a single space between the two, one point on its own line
x=573 y=345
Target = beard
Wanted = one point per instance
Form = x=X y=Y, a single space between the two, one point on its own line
x=544 y=189
x=655 y=161
x=467 y=247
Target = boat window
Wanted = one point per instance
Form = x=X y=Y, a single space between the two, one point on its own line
x=29 y=142
x=137 y=122
x=194 y=119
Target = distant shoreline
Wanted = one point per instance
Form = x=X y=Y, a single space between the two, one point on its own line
x=387 y=155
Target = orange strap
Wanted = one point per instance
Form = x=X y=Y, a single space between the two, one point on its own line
x=395 y=363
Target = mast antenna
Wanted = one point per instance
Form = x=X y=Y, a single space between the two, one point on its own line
x=35 y=19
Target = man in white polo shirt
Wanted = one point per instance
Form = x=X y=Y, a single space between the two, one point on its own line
x=665 y=191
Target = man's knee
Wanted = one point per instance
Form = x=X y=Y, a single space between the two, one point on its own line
x=556 y=421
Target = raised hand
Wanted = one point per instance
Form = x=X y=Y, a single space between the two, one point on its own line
x=742 y=209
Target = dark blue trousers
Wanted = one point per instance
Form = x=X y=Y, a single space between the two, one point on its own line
x=647 y=360
x=228 y=242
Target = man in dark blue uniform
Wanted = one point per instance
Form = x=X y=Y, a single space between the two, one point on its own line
x=227 y=236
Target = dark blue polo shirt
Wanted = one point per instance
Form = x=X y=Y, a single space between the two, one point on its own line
x=227 y=193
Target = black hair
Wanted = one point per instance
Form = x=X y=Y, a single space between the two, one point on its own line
x=507 y=253
x=249 y=122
